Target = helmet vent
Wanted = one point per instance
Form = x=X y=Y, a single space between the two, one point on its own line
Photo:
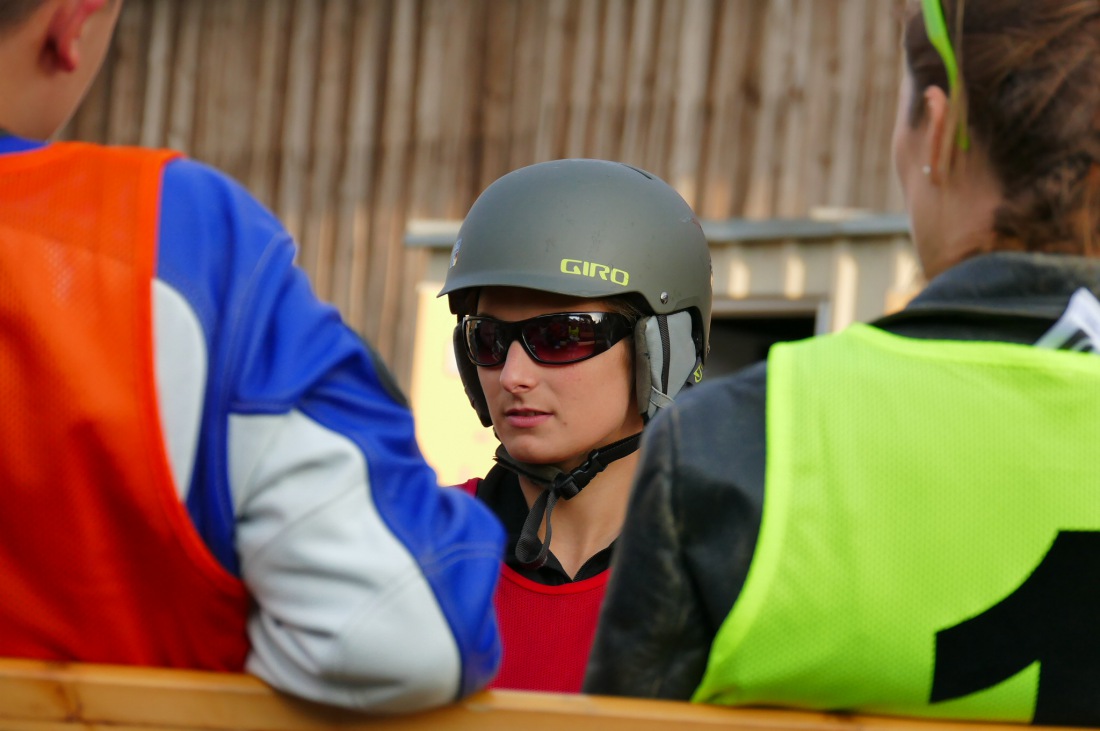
x=666 y=351
x=643 y=173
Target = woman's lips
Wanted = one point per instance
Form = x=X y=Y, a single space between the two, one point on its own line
x=525 y=418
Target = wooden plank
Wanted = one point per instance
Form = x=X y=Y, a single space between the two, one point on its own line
x=734 y=95
x=352 y=243
x=689 y=98
x=273 y=29
x=446 y=106
x=499 y=123
x=847 y=128
x=770 y=123
x=639 y=82
x=391 y=190
x=38 y=696
x=184 y=96
x=158 y=64
x=454 y=162
x=434 y=109
x=327 y=145
x=556 y=69
x=583 y=56
x=297 y=115
x=788 y=156
x=128 y=77
x=664 y=92
x=464 y=138
x=531 y=41
x=880 y=106
x=230 y=89
x=609 y=111
x=811 y=159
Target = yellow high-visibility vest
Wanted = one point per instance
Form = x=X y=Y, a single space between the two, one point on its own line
x=929 y=539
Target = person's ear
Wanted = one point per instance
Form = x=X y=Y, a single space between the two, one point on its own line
x=938 y=136
x=65 y=29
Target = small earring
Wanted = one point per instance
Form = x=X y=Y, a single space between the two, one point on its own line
x=927 y=169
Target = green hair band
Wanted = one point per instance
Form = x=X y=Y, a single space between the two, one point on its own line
x=936 y=27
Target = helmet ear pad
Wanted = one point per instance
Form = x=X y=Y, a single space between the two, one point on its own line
x=467 y=371
x=666 y=360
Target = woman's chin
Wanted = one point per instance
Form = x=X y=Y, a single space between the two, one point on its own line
x=533 y=454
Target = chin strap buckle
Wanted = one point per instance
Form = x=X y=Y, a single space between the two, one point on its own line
x=530 y=551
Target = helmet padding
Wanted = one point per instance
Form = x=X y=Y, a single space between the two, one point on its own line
x=666 y=360
x=467 y=371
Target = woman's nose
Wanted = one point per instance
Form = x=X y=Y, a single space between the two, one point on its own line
x=519 y=371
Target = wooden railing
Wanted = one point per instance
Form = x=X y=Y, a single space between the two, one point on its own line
x=40 y=696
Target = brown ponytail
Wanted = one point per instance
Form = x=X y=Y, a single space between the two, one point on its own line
x=1031 y=72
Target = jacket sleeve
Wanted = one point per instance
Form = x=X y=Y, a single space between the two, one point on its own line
x=373 y=586
x=687 y=542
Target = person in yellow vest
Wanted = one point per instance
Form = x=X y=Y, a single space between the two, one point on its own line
x=901 y=518
x=201 y=465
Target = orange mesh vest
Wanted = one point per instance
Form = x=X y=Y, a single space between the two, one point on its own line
x=547 y=631
x=99 y=561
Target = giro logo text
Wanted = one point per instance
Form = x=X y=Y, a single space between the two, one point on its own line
x=594 y=270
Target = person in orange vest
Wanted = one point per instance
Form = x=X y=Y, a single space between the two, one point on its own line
x=582 y=290
x=203 y=466
x=902 y=517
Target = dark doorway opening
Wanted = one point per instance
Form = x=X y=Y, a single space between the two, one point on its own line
x=736 y=342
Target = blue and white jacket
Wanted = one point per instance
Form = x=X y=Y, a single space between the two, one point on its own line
x=296 y=458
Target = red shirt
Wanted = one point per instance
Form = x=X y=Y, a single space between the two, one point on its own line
x=547 y=630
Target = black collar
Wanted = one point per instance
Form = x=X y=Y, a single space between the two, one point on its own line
x=500 y=490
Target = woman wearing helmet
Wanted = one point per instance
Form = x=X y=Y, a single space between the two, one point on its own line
x=583 y=295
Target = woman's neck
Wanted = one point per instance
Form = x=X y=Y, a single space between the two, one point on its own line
x=586 y=524
x=968 y=201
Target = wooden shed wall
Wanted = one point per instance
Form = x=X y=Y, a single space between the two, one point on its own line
x=350 y=117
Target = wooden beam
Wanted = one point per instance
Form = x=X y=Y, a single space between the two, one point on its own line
x=43 y=696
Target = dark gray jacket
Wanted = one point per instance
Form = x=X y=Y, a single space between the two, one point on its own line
x=695 y=512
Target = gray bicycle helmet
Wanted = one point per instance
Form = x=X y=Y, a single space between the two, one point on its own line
x=593 y=228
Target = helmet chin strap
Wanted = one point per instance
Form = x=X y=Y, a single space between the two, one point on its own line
x=555 y=484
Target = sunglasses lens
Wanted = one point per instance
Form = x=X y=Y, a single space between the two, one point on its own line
x=486 y=342
x=554 y=339
x=562 y=338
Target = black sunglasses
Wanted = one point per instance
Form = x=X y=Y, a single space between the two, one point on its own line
x=557 y=339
